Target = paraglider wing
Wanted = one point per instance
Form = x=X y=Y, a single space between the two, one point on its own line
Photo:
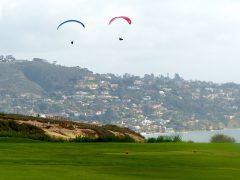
x=70 y=21
x=122 y=17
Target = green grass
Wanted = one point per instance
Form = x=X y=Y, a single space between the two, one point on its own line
x=27 y=160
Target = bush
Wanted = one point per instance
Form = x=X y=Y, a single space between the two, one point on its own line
x=104 y=139
x=151 y=140
x=161 y=139
x=221 y=138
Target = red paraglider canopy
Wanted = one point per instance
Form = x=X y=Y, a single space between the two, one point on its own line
x=123 y=17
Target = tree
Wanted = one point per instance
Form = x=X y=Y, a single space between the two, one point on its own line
x=221 y=138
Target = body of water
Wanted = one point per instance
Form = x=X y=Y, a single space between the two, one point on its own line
x=200 y=136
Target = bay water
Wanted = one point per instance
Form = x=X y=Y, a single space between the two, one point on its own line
x=199 y=136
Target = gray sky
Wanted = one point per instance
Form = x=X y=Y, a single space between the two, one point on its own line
x=199 y=39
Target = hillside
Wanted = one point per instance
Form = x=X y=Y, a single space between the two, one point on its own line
x=145 y=104
x=12 y=125
x=50 y=77
x=13 y=81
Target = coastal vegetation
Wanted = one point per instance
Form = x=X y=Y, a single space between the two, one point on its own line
x=45 y=129
x=221 y=138
x=162 y=139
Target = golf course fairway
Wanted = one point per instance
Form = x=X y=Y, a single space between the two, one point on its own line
x=28 y=160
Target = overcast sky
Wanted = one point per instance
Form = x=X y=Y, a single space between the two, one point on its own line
x=199 y=39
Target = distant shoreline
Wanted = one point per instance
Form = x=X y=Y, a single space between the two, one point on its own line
x=146 y=133
x=199 y=136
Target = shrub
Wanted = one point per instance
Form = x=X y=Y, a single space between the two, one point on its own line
x=177 y=138
x=221 y=138
x=151 y=140
x=104 y=139
x=161 y=139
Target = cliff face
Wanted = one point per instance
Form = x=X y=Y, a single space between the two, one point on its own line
x=66 y=130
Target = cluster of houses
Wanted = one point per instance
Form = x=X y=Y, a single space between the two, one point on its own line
x=149 y=104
